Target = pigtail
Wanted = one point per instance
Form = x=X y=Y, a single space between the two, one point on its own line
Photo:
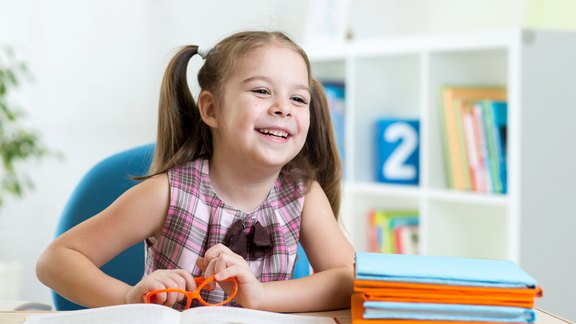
x=320 y=148
x=179 y=122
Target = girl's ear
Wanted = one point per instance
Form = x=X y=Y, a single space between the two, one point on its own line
x=207 y=108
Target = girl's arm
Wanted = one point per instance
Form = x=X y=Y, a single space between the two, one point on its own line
x=331 y=256
x=328 y=250
x=70 y=264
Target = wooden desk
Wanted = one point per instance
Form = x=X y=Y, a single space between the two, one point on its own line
x=343 y=316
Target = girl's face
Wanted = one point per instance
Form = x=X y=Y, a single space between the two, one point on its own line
x=264 y=115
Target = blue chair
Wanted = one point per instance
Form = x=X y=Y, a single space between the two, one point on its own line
x=105 y=182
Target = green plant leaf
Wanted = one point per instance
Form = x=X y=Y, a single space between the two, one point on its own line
x=18 y=145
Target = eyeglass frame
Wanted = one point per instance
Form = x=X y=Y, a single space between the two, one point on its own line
x=201 y=283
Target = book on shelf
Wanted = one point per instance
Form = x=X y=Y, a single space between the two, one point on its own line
x=485 y=131
x=393 y=231
x=475 y=145
x=471 y=118
x=496 y=123
x=158 y=314
x=336 y=96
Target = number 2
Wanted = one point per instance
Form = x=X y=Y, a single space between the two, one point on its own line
x=395 y=166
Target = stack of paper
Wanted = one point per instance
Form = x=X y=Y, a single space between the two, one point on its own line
x=404 y=289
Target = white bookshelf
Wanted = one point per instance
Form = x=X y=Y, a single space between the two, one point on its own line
x=534 y=223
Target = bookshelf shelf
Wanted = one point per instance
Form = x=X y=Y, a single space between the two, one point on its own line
x=403 y=77
x=384 y=189
x=469 y=197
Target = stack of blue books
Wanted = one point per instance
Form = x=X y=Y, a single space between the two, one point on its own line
x=405 y=289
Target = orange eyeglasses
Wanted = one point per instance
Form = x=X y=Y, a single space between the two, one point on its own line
x=201 y=284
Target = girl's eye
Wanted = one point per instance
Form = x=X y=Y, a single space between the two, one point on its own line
x=261 y=91
x=301 y=100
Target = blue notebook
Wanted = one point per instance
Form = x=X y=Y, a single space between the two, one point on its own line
x=446 y=312
x=441 y=270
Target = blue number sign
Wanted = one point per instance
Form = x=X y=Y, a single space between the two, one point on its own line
x=397 y=151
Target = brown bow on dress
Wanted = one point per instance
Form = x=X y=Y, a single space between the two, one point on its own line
x=248 y=242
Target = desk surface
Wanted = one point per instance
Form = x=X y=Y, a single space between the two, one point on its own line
x=343 y=316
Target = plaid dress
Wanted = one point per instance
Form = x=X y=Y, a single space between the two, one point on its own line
x=197 y=220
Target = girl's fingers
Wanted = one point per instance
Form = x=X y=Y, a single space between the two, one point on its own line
x=201 y=263
x=188 y=283
x=215 y=251
x=242 y=274
x=218 y=264
x=170 y=282
x=171 y=299
x=230 y=272
x=210 y=272
x=227 y=266
x=249 y=286
x=183 y=280
x=162 y=279
x=225 y=261
x=218 y=258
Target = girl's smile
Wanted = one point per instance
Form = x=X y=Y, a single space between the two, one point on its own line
x=274 y=134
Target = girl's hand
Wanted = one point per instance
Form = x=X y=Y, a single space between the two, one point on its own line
x=161 y=279
x=219 y=260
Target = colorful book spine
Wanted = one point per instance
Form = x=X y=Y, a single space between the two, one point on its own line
x=393 y=231
x=467 y=139
x=474 y=129
x=499 y=110
x=486 y=183
x=474 y=159
x=496 y=155
x=458 y=175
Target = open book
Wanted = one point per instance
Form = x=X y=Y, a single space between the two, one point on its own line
x=152 y=313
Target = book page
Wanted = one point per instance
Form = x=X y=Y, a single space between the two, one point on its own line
x=158 y=314
x=222 y=314
x=124 y=314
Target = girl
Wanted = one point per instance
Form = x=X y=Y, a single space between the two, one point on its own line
x=238 y=179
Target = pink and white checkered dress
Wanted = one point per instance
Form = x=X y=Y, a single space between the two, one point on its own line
x=197 y=220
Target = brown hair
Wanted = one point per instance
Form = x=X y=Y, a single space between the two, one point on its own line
x=183 y=136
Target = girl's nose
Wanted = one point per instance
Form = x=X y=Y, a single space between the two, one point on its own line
x=281 y=108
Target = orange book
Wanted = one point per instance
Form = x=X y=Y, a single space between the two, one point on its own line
x=449 y=294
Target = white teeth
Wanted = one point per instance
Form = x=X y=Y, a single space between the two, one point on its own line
x=274 y=132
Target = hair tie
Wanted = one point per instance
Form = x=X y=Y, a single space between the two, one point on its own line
x=203 y=51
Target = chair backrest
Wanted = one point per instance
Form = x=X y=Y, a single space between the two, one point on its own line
x=101 y=185
x=105 y=182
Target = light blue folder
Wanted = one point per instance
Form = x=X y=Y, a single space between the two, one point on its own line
x=447 y=312
x=441 y=270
